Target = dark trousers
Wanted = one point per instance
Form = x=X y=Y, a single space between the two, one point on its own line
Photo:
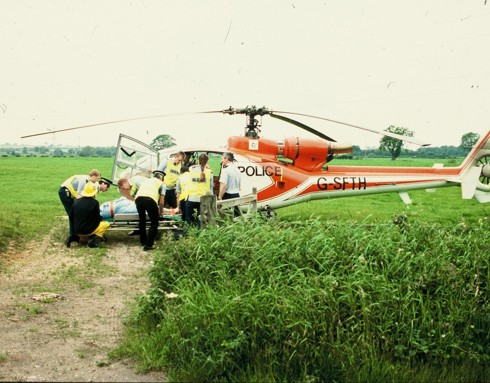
x=171 y=198
x=147 y=205
x=67 y=200
x=236 y=209
x=183 y=209
x=192 y=213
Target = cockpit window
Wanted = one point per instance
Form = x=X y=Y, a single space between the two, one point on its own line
x=215 y=162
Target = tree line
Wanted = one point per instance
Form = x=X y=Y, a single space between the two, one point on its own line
x=425 y=152
x=395 y=147
x=388 y=147
x=47 y=151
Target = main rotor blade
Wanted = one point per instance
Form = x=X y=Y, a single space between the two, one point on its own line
x=389 y=134
x=302 y=126
x=117 y=122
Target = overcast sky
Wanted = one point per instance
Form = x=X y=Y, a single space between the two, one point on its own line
x=419 y=64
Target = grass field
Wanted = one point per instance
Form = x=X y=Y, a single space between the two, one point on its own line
x=353 y=289
x=30 y=204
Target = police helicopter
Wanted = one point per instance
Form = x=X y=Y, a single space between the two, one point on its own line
x=295 y=170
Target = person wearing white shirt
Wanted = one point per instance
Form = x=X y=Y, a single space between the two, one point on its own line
x=229 y=180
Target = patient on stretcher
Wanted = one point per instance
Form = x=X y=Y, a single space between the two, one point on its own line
x=122 y=205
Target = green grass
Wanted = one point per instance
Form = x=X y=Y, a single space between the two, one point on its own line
x=30 y=205
x=444 y=206
x=353 y=289
x=401 y=161
x=85 y=273
x=3 y=357
x=317 y=301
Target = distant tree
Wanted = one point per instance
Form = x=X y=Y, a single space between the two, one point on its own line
x=87 y=151
x=162 y=141
x=439 y=152
x=394 y=145
x=356 y=151
x=43 y=149
x=57 y=152
x=469 y=140
x=105 y=151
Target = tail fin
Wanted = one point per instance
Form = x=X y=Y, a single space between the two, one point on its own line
x=475 y=172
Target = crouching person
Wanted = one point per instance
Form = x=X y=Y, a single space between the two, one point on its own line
x=85 y=218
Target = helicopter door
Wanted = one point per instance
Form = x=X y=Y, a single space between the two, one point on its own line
x=133 y=158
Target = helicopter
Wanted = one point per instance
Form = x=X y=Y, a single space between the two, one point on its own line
x=296 y=170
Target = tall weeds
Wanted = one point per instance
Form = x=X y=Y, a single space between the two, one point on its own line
x=314 y=301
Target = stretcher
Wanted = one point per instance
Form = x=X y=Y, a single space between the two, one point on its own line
x=130 y=221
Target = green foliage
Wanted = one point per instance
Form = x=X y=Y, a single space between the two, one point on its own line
x=444 y=206
x=87 y=151
x=469 y=140
x=52 y=151
x=352 y=289
x=439 y=152
x=315 y=301
x=394 y=145
x=162 y=141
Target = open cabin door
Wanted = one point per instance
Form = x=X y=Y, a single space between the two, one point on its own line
x=133 y=158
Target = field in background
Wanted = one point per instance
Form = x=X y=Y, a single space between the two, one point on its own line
x=400 y=161
x=30 y=204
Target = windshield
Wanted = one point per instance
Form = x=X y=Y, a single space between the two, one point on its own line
x=133 y=158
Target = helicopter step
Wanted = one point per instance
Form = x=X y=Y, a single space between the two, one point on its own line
x=211 y=208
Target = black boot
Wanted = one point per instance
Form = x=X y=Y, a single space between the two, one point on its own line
x=70 y=239
x=94 y=241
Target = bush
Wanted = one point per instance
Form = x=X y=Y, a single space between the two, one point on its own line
x=314 y=302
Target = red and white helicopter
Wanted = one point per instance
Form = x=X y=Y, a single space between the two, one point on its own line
x=297 y=169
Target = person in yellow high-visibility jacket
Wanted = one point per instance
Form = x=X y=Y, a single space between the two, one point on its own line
x=181 y=189
x=72 y=188
x=171 y=168
x=200 y=182
x=150 y=198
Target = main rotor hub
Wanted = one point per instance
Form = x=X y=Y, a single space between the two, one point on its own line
x=252 y=128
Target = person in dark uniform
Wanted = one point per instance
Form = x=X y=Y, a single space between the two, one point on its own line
x=104 y=184
x=150 y=198
x=72 y=188
x=85 y=218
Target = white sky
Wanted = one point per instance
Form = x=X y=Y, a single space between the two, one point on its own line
x=419 y=64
